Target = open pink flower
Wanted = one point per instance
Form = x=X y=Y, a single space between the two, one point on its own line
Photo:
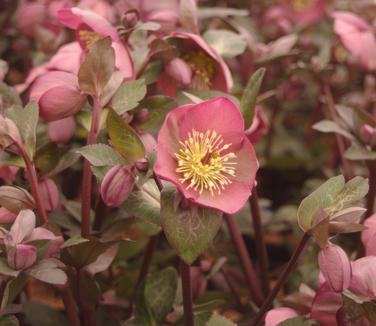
x=357 y=36
x=198 y=67
x=58 y=95
x=335 y=267
x=204 y=151
x=90 y=27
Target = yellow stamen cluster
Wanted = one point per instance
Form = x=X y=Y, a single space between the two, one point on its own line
x=202 y=69
x=203 y=164
x=303 y=5
x=89 y=37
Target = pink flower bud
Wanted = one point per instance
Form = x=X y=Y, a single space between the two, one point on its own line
x=6 y=216
x=21 y=256
x=58 y=95
x=368 y=135
x=50 y=194
x=117 y=185
x=335 y=267
x=130 y=18
x=180 y=71
x=61 y=131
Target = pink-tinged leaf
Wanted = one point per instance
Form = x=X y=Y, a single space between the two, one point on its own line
x=351 y=214
x=335 y=267
x=98 y=67
x=278 y=315
x=15 y=198
x=320 y=228
x=22 y=226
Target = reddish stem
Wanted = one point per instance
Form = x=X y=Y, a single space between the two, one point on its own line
x=241 y=249
x=372 y=188
x=260 y=242
x=32 y=175
x=282 y=280
x=70 y=305
x=87 y=173
x=149 y=252
x=232 y=288
x=185 y=272
x=347 y=167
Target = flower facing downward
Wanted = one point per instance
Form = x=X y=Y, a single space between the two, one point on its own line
x=204 y=151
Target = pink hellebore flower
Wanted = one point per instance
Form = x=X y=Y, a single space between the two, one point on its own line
x=117 y=185
x=50 y=194
x=278 y=315
x=357 y=36
x=100 y=7
x=258 y=127
x=335 y=267
x=199 y=67
x=368 y=135
x=58 y=95
x=61 y=131
x=363 y=282
x=368 y=235
x=203 y=150
x=90 y=27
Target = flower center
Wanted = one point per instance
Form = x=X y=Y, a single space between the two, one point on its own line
x=87 y=38
x=303 y=5
x=202 y=68
x=203 y=164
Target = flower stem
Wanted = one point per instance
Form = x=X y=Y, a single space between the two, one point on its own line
x=185 y=271
x=260 y=242
x=347 y=167
x=32 y=174
x=149 y=252
x=241 y=249
x=372 y=188
x=70 y=306
x=87 y=173
x=282 y=280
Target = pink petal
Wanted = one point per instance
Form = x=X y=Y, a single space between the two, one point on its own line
x=22 y=226
x=100 y=7
x=41 y=233
x=21 y=256
x=6 y=216
x=123 y=60
x=325 y=306
x=278 y=315
x=74 y=17
x=49 y=194
x=368 y=233
x=335 y=267
x=180 y=71
x=222 y=79
x=60 y=102
x=61 y=131
x=67 y=58
x=363 y=282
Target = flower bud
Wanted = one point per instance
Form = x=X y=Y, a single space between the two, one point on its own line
x=21 y=256
x=50 y=194
x=117 y=185
x=58 y=95
x=6 y=216
x=368 y=135
x=130 y=18
x=335 y=267
x=61 y=131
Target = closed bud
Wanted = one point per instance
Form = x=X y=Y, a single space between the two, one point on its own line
x=117 y=185
x=130 y=18
x=368 y=135
x=50 y=194
x=21 y=256
x=61 y=131
x=335 y=267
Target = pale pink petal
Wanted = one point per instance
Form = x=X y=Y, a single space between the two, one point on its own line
x=180 y=71
x=123 y=60
x=278 y=315
x=100 y=7
x=363 y=282
x=33 y=74
x=6 y=216
x=41 y=233
x=335 y=266
x=67 y=58
x=21 y=256
x=29 y=16
x=8 y=172
x=369 y=233
x=60 y=102
x=49 y=194
x=74 y=17
x=22 y=226
x=61 y=131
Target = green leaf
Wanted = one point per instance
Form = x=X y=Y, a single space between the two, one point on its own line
x=128 y=95
x=124 y=138
x=328 y=126
x=6 y=270
x=248 y=101
x=332 y=196
x=358 y=152
x=145 y=203
x=190 y=231
x=155 y=297
x=73 y=241
x=9 y=96
x=9 y=159
x=158 y=107
x=26 y=121
x=96 y=70
x=13 y=289
x=101 y=155
x=217 y=320
x=322 y=197
x=9 y=320
x=211 y=12
x=48 y=156
x=227 y=43
x=298 y=321
x=15 y=198
x=49 y=271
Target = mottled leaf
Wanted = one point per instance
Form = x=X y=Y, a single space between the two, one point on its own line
x=101 y=155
